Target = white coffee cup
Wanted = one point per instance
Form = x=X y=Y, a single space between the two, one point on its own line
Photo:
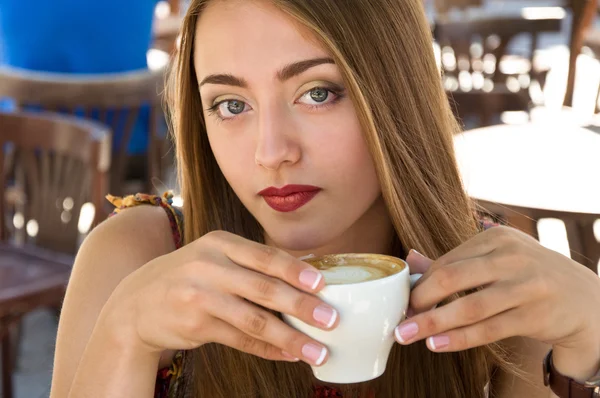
x=369 y=312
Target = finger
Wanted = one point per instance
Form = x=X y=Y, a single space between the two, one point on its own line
x=445 y=281
x=264 y=326
x=479 y=245
x=235 y=338
x=462 y=312
x=269 y=261
x=275 y=294
x=417 y=262
x=500 y=327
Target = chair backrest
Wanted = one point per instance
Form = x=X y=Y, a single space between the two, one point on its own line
x=114 y=99
x=51 y=165
x=477 y=43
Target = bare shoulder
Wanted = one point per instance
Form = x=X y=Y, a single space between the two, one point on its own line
x=113 y=250
x=142 y=231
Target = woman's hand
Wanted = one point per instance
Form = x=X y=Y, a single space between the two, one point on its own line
x=211 y=291
x=528 y=291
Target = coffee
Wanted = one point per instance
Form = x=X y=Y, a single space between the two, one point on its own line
x=342 y=269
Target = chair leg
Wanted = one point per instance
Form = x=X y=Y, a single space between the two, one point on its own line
x=16 y=334
x=7 y=370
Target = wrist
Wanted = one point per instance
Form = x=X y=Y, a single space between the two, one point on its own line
x=578 y=363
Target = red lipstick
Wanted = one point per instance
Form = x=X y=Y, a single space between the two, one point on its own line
x=289 y=197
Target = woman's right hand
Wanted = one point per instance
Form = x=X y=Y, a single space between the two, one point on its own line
x=210 y=290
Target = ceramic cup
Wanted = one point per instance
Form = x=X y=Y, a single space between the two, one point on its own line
x=369 y=312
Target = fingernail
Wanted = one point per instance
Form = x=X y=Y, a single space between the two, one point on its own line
x=410 y=312
x=289 y=356
x=325 y=315
x=437 y=343
x=306 y=257
x=310 y=278
x=406 y=332
x=417 y=253
x=314 y=353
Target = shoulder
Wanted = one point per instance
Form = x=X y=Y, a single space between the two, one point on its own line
x=120 y=245
x=113 y=250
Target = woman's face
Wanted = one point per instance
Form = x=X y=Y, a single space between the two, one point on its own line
x=277 y=116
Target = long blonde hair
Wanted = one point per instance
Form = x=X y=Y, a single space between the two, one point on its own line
x=383 y=49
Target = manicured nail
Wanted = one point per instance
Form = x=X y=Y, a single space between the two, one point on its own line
x=314 y=353
x=410 y=312
x=437 y=343
x=306 y=257
x=310 y=278
x=416 y=252
x=406 y=332
x=325 y=315
x=289 y=356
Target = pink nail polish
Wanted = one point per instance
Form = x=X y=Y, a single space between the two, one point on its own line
x=314 y=353
x=406 y=332
x=438 y=343
x=325 y=315
x=310 y=278
x=289 y=356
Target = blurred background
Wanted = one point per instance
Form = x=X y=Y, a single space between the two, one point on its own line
x=81 y=116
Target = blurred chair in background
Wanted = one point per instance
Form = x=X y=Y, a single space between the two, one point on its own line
x=59 y=166
x=480 y=77
x=75 y=37
x=583 y=12
x=114 y=99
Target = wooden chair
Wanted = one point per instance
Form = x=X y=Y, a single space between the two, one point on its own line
x=114 y=99
x=583 y=246
x=583 y=12
x=60 y=163
x=166 y=30
x=481 y=79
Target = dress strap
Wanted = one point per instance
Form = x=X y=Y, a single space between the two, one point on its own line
x=165 y=201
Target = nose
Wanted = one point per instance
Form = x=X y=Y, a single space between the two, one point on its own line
x=277 y=142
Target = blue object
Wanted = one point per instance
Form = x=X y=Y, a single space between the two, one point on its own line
x=79 y=37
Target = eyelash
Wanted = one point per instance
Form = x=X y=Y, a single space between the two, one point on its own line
x=338 y=92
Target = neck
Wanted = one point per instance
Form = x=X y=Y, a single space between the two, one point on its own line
x=372 y=233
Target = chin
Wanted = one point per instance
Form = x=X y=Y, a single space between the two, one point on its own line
x=298 y=240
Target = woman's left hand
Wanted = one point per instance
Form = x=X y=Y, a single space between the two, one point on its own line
x=528 y=290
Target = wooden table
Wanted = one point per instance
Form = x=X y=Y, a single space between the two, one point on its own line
x=533 y=171
x=29 y=278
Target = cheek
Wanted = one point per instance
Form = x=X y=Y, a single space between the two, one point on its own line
x=344 y=157
x=234 y=159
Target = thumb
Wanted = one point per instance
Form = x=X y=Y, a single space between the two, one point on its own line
x=417 y=262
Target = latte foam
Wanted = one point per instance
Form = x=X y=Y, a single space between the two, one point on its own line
x=352 y=274
x=341 y=269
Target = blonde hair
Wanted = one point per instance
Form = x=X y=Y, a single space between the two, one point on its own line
x=384 y=51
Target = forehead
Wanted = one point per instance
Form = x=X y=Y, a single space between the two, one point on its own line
x=233 y=36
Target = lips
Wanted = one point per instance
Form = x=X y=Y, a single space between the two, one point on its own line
x=289 y=197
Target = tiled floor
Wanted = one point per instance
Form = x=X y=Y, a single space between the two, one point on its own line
x=34 y=372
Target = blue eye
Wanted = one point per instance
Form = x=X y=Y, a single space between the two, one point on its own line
x=228 y=109
x=318 y=96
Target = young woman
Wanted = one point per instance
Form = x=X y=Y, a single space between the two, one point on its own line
x=312 y=127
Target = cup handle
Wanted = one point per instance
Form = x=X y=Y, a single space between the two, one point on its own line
x=414 y=278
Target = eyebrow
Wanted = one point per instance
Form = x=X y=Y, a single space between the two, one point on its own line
x=286 y=73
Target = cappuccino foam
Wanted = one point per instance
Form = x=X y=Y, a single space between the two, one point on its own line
x=351 y=274
x=343 y=269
